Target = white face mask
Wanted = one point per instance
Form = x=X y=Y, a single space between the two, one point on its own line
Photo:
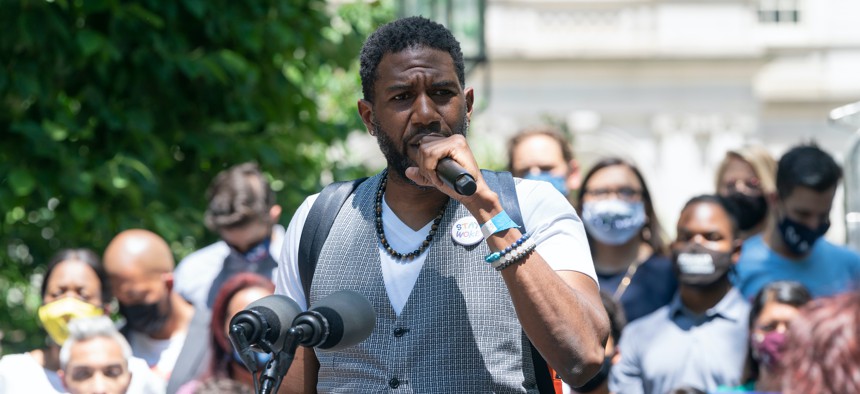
x=613 y=222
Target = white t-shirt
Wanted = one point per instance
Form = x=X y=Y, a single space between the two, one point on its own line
x=20 y=373
x=159 y=354
x=548 y=216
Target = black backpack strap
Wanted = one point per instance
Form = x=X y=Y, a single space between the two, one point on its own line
x=503 y=184
x=318 y=225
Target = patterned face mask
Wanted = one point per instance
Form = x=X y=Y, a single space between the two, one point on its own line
x=613 y=222
x=697 y=265
x=799 y=238
x=55 y=316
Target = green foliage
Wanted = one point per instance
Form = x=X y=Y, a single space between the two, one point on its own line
x=117 y=114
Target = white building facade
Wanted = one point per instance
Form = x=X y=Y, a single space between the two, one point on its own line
x=670 y=85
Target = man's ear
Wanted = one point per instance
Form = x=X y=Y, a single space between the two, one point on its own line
x=62 y=376
x=168 y=280
x=365 y=110
x=736 y=250
x=470 y=101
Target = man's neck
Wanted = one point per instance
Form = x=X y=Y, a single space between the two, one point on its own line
x=700 y=299
x=414 y=205
x=181 y=313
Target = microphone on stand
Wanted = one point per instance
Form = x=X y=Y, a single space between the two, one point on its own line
x=276 y=324
x=263 y=324
x=338 y=321
x=456 y=177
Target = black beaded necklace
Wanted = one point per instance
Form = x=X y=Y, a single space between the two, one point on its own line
x=380 y=233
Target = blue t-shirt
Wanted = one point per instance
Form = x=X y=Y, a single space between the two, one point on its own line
x=827 y=270
x=652 y=286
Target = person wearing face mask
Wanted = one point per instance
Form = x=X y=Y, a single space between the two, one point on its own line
x=792 y=246
x=543 y=153
x=746 y=176
x=700 y=339
x=75 y=285
x=226 y=365
x=162 y=328
x=243 y=212
x=773 y=308
x=625 y=237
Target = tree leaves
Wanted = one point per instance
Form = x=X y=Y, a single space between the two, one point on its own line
x=119 y=114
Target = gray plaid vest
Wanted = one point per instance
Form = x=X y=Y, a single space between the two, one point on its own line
x=458 y=332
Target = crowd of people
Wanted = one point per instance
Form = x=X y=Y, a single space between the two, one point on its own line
x=545 y=281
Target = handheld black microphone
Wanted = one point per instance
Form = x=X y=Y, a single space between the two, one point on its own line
x=456 y=177
x=338 y=321
x=264 y=324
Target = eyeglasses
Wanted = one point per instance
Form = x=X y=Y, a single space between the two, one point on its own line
x=624 y=193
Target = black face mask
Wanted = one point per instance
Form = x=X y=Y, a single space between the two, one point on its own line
x=752 y=209
x=595 y=382
x=798 y=238
x=696 y=265
x=146 y=318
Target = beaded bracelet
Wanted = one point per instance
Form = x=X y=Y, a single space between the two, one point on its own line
x=515 y=255
x=492 y=257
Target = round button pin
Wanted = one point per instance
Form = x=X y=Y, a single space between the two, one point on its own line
x=467 y=231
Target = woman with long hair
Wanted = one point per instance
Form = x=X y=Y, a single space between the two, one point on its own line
x=226 y=365
x=627 y=244
x=772 y=309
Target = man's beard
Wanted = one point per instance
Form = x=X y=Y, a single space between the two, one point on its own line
x=398 y=160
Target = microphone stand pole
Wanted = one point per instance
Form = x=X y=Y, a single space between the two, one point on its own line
x=277 y=367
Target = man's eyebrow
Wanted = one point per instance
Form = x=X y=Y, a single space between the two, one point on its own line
x=398 y=87
x=435 y=85
x=444 y=84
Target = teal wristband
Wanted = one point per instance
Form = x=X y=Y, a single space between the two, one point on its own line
x=498 y=223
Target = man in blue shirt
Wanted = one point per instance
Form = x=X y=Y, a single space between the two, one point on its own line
x=700 y=339
x=791 y=246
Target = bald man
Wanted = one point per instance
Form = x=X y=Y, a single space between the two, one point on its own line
x=140 y=264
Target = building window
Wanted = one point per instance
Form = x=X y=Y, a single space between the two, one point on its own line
x=779 y=11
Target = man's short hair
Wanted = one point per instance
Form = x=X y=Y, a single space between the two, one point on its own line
x=729 y=207
x=549 y=131
x=806 y=166
x=87 y=328
x=404 y=33
x=238 y=196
